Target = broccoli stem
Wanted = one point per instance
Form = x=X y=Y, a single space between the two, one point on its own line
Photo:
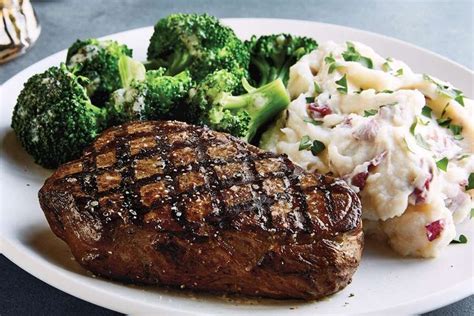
x=179 y=61
x=129 y=70
x=262 y=104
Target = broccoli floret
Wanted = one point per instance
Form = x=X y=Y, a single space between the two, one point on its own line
x=54 y=118
x=97 y=61
x=271 y=56
x=242 y=115
x=148 y=96
x=198 y=43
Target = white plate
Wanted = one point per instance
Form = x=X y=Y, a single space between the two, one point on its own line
x=383 y=283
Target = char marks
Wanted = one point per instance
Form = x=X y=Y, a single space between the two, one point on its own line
x=207 y=181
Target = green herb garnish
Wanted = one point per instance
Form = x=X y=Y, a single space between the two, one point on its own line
x=426 y=111
x=370 y=112
x=444 y=121
x=442 y=164
x=317 y=147
x=333 y=67
x=385 y=91
x=351 y=54
x=366 y=62
x=309 y=99
x=417 y=121
x=470 y=182
x=463 y=156
x=332 y=63
x=313 y=121
x=455 y=94
x=459 y=97
x=420 y=141
x=412 y=128
x=329 y=59
x=455 y=129
x=472 y=213
x=342 y=83
x=399 y=72
x=462 y=240
x=305 y=143
x=386 y=67
x=317 y=88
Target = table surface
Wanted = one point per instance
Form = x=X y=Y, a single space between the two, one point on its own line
x=445 y=27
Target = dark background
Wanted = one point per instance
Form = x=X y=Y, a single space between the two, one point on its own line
x=445 y=27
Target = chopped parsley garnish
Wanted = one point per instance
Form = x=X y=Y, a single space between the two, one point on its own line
x=459 y=97
x=332 y=63
x=472 y=213
x=444 y=121
x=342 y=83
x=412 y=128
x=442 y=164
x=399 y=72
x=417 y=121
x=333 y=67
x=447 y=91
x=317 y=88
x=366 y=62
x=420 y=141
x=426 y=111
x=329 y=59
x=309 y=99
x=463 y=156
x=351 y=54
x=462 y=240
x=305 y=143
x=386 y=67
x=317 y=147
x=389 y=104
x=370 y=112
x=313 y=121
x=385 y=91
x=470 y=182
x=455 y=129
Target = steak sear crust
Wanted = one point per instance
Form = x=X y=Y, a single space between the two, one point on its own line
x=164 y=202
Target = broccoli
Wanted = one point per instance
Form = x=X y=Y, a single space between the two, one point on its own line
x=97 y=61
x=198 y=43
x=54 y=118
x=147 y=95
x=272 y=55
x=242 y=115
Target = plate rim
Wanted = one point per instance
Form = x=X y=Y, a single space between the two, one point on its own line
x=17 y=254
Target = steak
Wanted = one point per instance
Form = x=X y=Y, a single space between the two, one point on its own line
x=164 y=202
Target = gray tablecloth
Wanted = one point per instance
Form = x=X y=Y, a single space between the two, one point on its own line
x=445 y=27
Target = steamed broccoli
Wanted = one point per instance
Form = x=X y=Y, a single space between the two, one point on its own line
x=97 y=61
x=242 y=115
x=271 y=56
x=198 y=43
x=54 y=118
x=147 y=96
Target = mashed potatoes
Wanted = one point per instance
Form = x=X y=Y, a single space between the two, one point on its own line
x=403 y=140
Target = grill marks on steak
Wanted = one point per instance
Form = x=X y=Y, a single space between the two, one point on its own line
x=175 y=204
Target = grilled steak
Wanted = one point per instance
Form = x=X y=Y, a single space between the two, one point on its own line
x=178 y=205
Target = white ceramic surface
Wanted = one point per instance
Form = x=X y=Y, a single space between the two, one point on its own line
x=383 y=283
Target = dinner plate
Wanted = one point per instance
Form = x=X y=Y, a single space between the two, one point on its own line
x=384 y=282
